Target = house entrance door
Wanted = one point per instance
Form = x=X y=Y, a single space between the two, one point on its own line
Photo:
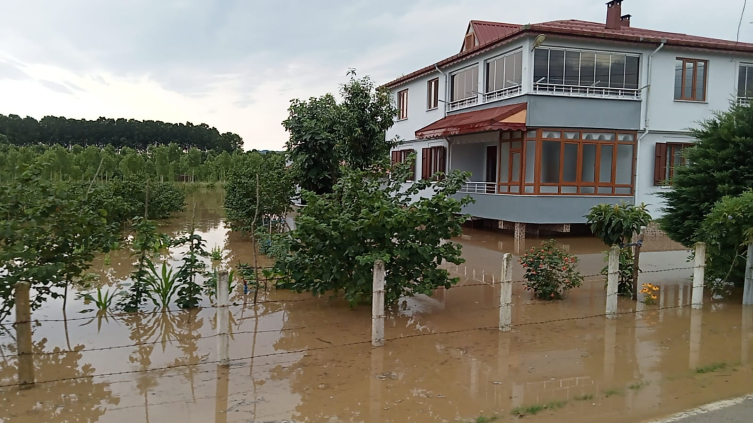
x=491 y=169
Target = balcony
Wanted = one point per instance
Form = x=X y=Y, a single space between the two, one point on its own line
x=503 y=93
x=471 y=187
x=593 y=92
x=743 y=101
x=462 y=104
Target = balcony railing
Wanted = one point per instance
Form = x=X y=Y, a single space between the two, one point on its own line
x=743 y=101
x=599 y=92
x=462 y=104
x=503 y=93
x=479 y=188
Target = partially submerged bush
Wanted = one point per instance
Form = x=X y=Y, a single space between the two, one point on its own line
x=550 y=271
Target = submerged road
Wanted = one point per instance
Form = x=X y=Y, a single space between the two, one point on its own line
x=738 y=410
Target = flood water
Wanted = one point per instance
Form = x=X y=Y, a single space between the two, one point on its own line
x=296 y=358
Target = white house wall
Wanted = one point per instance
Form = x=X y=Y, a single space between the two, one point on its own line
x=418 y=116
x=645 y=191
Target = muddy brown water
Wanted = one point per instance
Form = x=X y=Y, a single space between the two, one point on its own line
x=304 y=359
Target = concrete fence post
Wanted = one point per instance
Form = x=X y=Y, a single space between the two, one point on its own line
x=377 y=306
x=613 y=281
x=748 y=291
x=23 y=336
x=698 y=275
x=223 y=319
x=505 y=294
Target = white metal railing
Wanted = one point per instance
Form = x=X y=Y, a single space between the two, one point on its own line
x=503 y=93
x=743 y=101
x=575 y=91
x=462 y=104
x=479 y=188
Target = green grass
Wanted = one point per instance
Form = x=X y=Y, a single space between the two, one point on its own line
x=612 y=392
x=586 y=397
x=535 y=409
x=484 y=419
x=638 y=386
x=711 y=368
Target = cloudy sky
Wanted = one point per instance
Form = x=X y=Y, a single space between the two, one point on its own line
x=236 y=64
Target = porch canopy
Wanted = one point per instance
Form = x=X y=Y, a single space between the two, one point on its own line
x=511 y=117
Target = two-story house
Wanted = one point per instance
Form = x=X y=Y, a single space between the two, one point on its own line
x=553 y=118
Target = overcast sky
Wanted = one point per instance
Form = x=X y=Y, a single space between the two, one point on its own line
x=236 y=64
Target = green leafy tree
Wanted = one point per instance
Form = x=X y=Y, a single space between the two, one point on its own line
x=146 y=243
x=370 y=216
x=189 y=293
x=721 y=165
x=727 y=230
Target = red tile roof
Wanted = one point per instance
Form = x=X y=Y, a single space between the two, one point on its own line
x=477 y=121
x=573 y=28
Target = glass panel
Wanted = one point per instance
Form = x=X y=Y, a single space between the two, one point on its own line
x=490 y=66
x=505 y=135
x=551 y=134
x=622 y=191
x=509 y=65
x=556 y=66
x=617 y=71
x=741 y=79
x=632 y=72
x=547 y=189
x=517 y=145
x=700 y=81
x=528 y=189
x=624 y=164
x=598 y=136
x=587 y=69
x=515 y=167
x=678 y=79
x=530 y=160
x=499 y=75
x=517 y=74
x=587 y=190
x=572 y=67
x=569 y=190
x=515 y=189
x=604 y=190
x=572 y=135
x=504 y=164
x=589 y=163
x=503 y=188
x=550 y=162
x=605 y=164
x=570 y=163
x=602 y=70
x=541 y=66
x=625 y=137
x=517 y=134
x=455 y=87
x=748 y=82
x=531 y=134
x=688 y=93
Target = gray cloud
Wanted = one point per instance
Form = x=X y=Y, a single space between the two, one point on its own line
x=11 y=71
x=54 y=86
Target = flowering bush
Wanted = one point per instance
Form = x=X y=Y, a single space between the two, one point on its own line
x=550 y=271
x=649 y=293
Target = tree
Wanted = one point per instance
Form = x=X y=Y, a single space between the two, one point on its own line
x=721 y=165
x=370 y=216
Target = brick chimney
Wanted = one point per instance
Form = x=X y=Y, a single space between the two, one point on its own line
x=614 y=12
x=625 y=21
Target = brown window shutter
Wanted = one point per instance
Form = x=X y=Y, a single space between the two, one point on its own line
x=660 y=163
x=470 y=41
x=442 y=152
x=412 y=165
x=425 y=163
x=395 y=157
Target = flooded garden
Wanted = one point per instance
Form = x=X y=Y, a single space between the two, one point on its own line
x=299 y=358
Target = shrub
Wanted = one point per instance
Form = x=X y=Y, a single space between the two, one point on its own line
x=550 y=271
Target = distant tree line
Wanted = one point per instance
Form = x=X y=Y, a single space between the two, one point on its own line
x=119 y=133
x=164 y=163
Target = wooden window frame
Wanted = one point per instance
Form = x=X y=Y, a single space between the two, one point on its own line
x=537 y=184
x=402 y=104
x=664 y=166
x=432 y=90
x=695 y=62
x=401 y=156
x=510 y=183
x=433 y=160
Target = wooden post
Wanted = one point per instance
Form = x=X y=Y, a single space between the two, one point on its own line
x=223 y=319
x=23 y=337
x=612 y=281
x=748 y=291
x=377 y=306
x=505 y=294
x=636 y=261
x=698 y=274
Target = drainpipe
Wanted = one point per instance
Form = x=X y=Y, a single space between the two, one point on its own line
x=444 y=108
x=646 y=118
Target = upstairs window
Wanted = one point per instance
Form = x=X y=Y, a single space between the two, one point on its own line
x=669 y=157
x=745 y=82
x=504 y=72
x=573 y=68
x=690 y=79
x=402 y=105
x=432 y=94
x=432 y=161
x=464 y=84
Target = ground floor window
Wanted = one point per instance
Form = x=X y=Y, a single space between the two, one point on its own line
x=402 y=156
x=432 y=161
x=567 y=161
x=669 y=156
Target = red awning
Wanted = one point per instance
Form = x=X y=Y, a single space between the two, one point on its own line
x=503 y=118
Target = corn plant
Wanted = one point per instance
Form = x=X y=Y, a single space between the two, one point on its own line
x=103 y=301
x=162 y=285
x=216 y=253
